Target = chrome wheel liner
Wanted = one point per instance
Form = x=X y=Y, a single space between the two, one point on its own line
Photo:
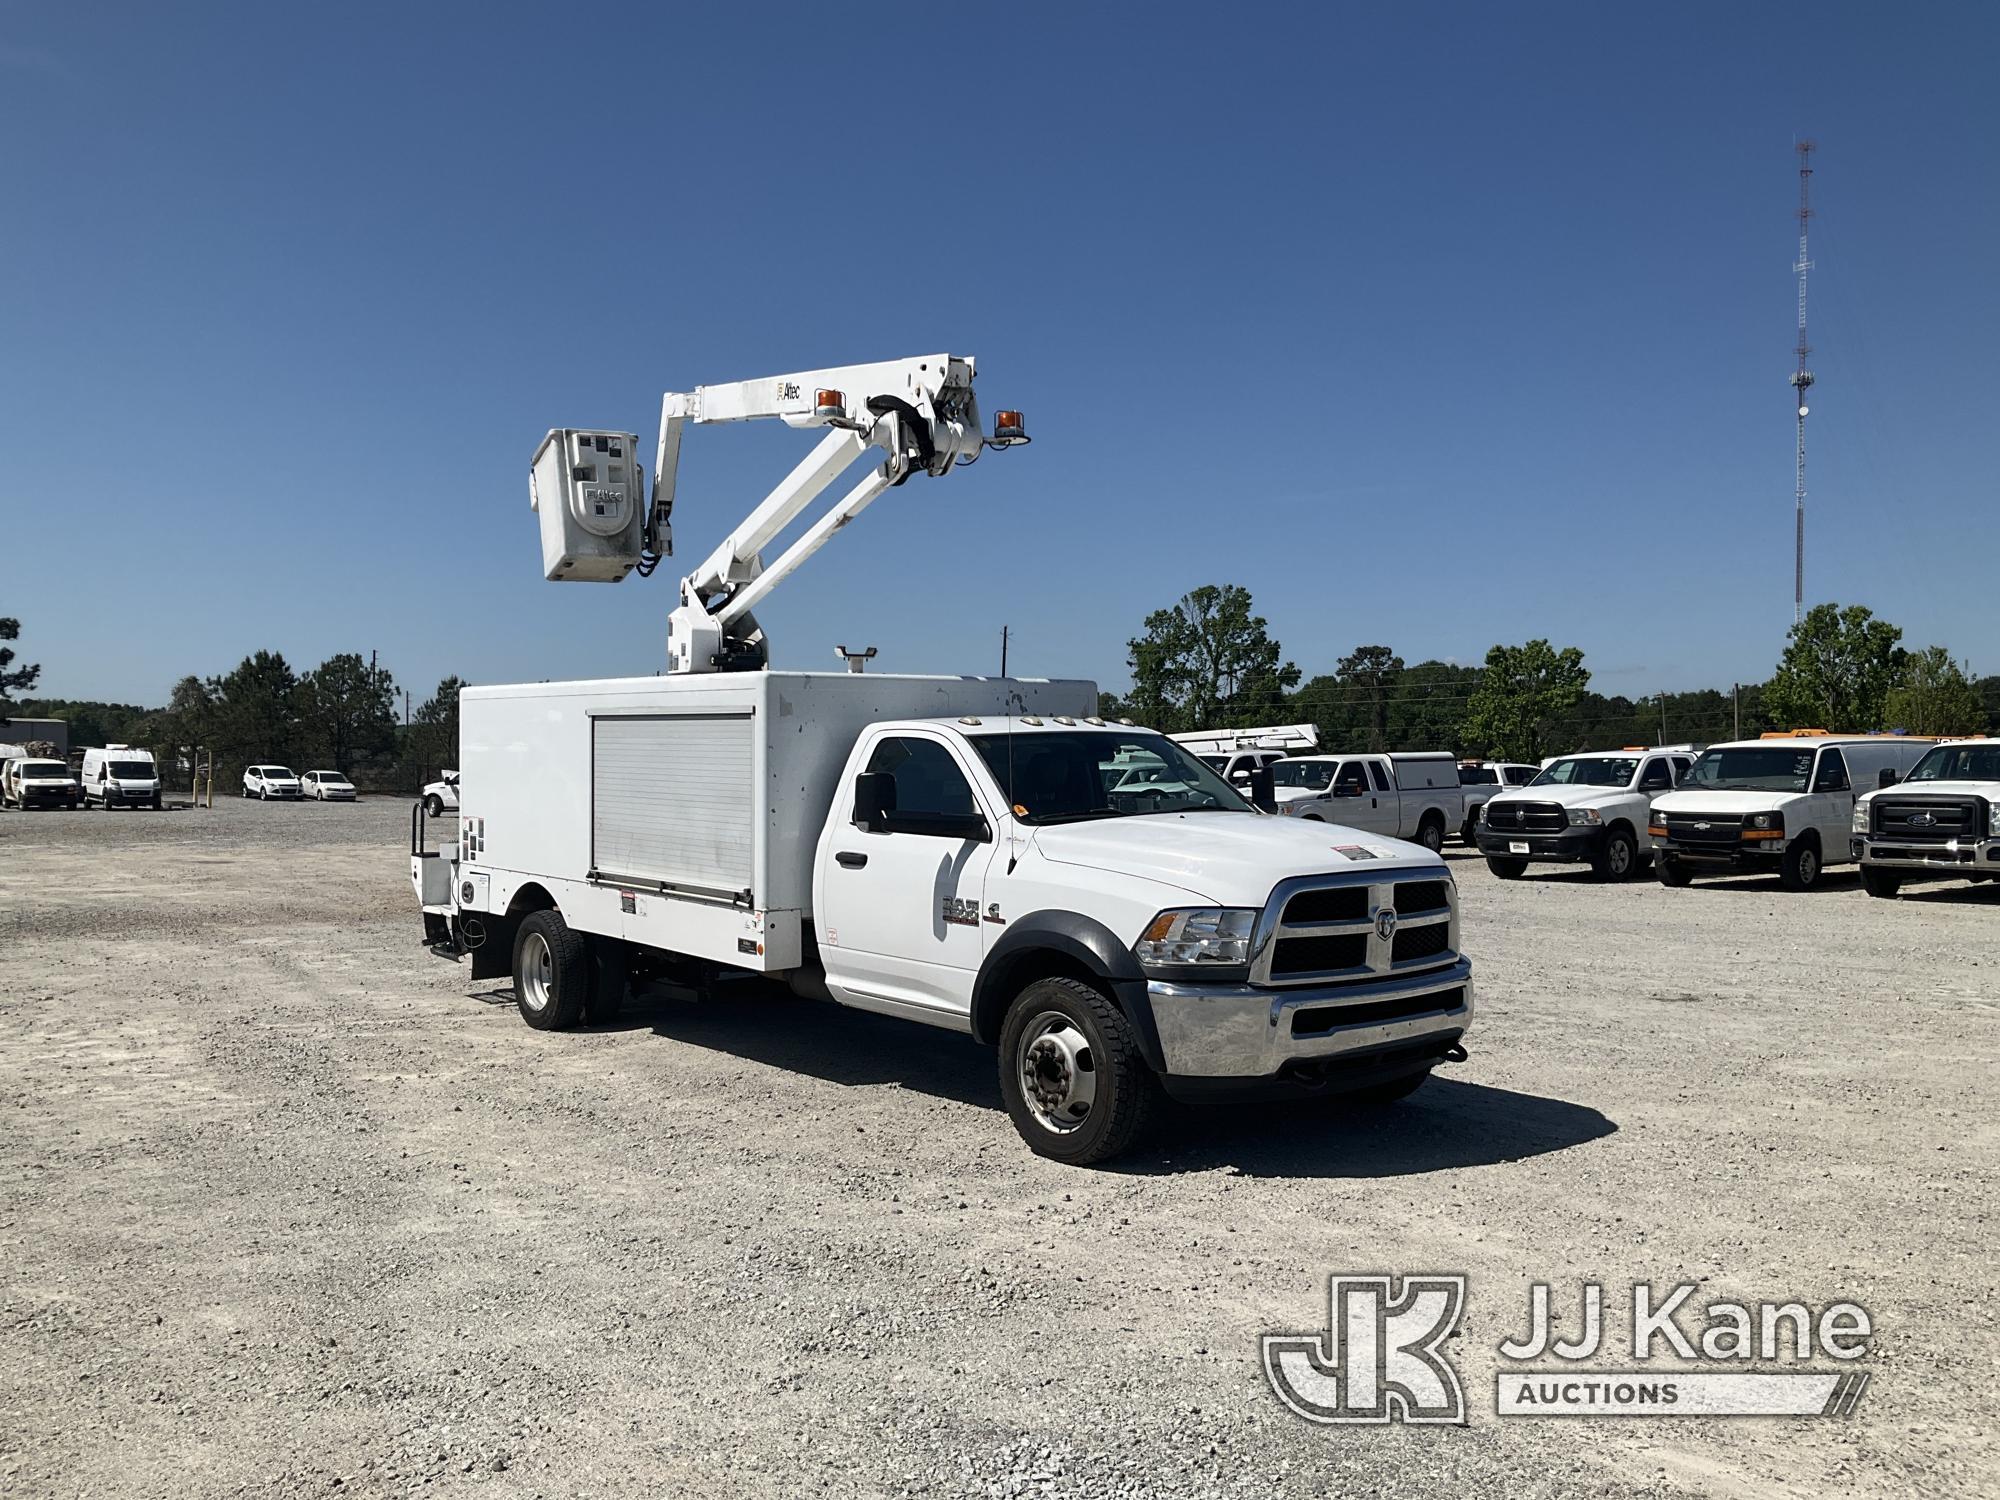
x=538 y=972
x=1058 y=1072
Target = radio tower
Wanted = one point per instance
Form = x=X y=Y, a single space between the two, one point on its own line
x=1802 y=380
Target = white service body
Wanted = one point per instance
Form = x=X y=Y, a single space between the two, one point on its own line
x=1406 y=795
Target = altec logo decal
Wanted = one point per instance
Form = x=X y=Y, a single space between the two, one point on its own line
x=1382 y=1357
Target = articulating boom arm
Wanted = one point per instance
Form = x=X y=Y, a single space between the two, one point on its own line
x=920 y=412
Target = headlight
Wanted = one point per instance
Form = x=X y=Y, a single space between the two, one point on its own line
x=1585 y=817
x=1763 y=820
x=1860 y=817
x=1993 y=818
x=1201 y=936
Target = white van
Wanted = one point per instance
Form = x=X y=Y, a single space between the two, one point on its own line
x=1783 y=803
x=120 y=776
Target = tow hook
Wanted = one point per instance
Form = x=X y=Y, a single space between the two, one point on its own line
x=1454 y=1053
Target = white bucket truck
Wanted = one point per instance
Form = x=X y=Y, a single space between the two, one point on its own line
x=1782 y=803
x=981 y=855
x=1941 y=822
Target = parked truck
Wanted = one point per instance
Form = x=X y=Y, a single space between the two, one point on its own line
x=1408 y=795
x=983 y=855
x=1941 y=822
x=1238 y=754
x=1594 y=809
x=30 y=781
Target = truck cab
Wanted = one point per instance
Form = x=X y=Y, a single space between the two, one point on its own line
x=1403 y=796
x=1592 y=809
x=1782 y=803
x=1941 y=822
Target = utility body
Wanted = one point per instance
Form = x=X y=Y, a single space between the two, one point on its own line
x=1592 y=809
x=1782 y=803
x=1238 y=754
x=983 y=855
x=1412 y=795
x=1941 y=822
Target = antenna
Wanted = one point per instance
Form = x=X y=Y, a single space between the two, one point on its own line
x=1802 y=380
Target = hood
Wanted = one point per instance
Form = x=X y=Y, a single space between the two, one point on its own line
x=1562 y=796
x=1283 y=794
x=1725 y=802
x=1232 y=859
x=1990 y=790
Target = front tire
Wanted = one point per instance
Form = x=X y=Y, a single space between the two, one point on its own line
x=1671 y=871
x=1800 y=868
x=1618 y=858
x=432 y=806
x=1075 y=1083
x=551 y=972
x=1884 y=883
x=1504 y=868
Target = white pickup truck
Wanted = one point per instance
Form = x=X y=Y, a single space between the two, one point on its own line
x=980 y=855
x=1414 y=796
x=1941 y=822
x=1592 y=809
x=1483 y=780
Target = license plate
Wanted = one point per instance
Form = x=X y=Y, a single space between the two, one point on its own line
x=1517 y=846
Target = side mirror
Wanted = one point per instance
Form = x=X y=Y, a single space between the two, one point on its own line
x=874 y=801
x=1888 y=777
x=1263 y=791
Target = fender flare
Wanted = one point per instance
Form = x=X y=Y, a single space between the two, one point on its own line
x=1084 y=944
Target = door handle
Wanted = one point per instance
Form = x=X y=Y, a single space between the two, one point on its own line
x=850 y=861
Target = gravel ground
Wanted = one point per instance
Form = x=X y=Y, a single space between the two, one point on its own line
x=290 y=1208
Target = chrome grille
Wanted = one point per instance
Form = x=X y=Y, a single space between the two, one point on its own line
x=1934 y=820
x=1324 y=929
x=1524 y=817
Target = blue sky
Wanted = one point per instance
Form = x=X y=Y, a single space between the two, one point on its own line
x=1434 y=325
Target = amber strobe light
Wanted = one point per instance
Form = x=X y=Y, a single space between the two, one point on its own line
x=1009 y=427
x=829 y=403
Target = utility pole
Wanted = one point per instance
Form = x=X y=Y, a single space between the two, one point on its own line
x=1802 y=380
x=1003 y=650
x=1663 y=718
x=1736 y=708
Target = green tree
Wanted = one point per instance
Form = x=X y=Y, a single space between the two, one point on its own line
x=256 y=717
x=347 y=710
x=1206 y=663
x=13 y=679
x=1935 y=696
x=1838 y=667
x=432 y=742
x=1428 y=704
x=1989 y=694
x=1517 y=711
x=1368 y=673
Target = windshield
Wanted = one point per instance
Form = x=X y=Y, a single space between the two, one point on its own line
x=1215 y=762
x=275 y=773
x=1313 y=775
x=132 y=770
x=1581 y=772
x=44 y=770
x=1753 y=768
x=1066 y=778
x=1478 y=776
x=1959 y=763
x=331 y=778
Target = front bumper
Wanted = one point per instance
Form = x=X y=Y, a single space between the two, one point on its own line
x=1959 y=857
x=129 y=797
x=1764 y=854
x=1238 y=1033
x=1573 y=845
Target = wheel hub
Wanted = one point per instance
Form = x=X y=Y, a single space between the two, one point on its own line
x=1058 y=1074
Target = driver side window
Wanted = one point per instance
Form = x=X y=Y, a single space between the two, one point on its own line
x=929 y=783
x=1832 y=775
x=1352 y=780
x=1655 y=777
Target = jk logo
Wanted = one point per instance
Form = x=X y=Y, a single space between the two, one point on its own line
x=1379 y=1359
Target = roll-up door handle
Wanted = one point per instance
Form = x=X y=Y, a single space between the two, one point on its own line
x=850 y=861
